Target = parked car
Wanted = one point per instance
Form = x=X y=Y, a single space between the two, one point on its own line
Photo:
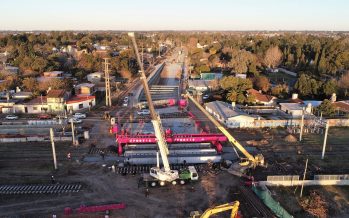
x=11 y=117
x=126 y=99
x=79 y=115
x=143 y=112
x=44 y=116
x=74 y=120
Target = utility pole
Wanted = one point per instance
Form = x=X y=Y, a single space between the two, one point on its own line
x=142 y=54
x=53 y=149
x=107 y=82
x=159 y=49
x=305 y=172
x=72 y=131
x=325 y=141
x=302 y=125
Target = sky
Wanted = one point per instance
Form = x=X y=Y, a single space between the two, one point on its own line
x=330 y=15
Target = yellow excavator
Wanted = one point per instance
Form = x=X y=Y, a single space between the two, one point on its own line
x=249 y=161
x=233 y=206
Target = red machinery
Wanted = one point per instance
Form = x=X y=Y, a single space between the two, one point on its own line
x=214 y=138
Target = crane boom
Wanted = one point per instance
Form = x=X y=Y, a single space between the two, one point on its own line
x=252 y=161
x=168 y=174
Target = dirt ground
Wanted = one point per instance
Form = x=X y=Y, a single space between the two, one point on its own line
x=288 y=158
x=101 y=187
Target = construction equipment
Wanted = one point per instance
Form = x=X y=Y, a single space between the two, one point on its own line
x=250 y=161
x=233 y=206
x=166 y=174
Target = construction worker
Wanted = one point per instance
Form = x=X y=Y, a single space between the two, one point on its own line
x=146 y=192
x=53 y=181
x=69 y=156
x=102 y=154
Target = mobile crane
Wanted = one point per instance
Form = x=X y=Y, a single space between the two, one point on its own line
x=157 y=174
x=233 y=206
x=250 y=161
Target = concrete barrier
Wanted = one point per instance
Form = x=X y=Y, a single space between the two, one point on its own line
x=36 y=139
x=318 y=180
x=152 y=79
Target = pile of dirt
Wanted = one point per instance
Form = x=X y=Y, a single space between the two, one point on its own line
x=290 y=138
x=315 y=204
x=257 y=143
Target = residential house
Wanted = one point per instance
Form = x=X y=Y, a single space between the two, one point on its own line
x=22 y=95
x=36 y=105
x=240 y=75
x=49 y=75
x=53 y=74
x=342 y=107
x=77 y=103
x=56 y=100
x=95 y=77
x=229 y=116
x=295 y=99
x=11 y=70
x=260 y=98
x=85 y=89
x=198 y=85
x=210 y=76
x=296 y=109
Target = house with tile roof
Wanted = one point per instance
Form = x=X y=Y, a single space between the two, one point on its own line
x=260 y=98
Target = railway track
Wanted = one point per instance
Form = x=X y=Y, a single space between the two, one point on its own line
x=255 y=203
x=39 y=189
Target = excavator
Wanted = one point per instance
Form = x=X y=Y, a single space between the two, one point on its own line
x=159 y=175
x=248 y=162
x=233 y=206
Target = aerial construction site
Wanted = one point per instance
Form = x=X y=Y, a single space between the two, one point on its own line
x=156 y=151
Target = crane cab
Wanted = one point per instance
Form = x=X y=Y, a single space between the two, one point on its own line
x=193 y=173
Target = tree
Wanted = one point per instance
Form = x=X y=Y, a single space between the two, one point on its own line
x=232 y=96
x=326 y=108
x=329 y=87
x=344 y=82
x=235 y=88
x=30 y=84
x=307 y=86
x=53 y=83
x=39 y=64
x=10 y=82
x=280 y=90
x=250 y=99
x=273 y=57
x=262 y=83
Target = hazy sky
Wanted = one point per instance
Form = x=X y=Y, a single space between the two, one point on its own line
x=174 y=15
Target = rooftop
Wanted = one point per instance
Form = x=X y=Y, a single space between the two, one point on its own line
x=56 y=93
x=37 y=100
x=342 y=105
x=223 y=109
x=292 y=106
x=90 y=85
x=79 y=98
x=259 y=96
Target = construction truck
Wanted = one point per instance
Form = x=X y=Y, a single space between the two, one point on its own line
x=247 y=162
x=159 y=175
x=233 y=206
